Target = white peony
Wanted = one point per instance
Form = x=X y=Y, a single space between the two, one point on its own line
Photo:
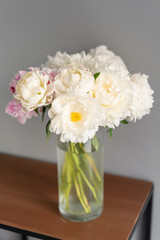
x=96 y=60
x=76 y=118
x=104 y=59
x=142 y=97
x=34 y=89
x=113 y=90
x=61 y=60
x=73 y=79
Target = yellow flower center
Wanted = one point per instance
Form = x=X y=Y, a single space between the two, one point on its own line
x=75 y=116
x=93 y=95
x=107 y=87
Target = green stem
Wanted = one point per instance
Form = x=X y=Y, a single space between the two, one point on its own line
x=67 y=195
x=64 y=167
x=94 y=181
x=72 y=174
x=67 y=177
x=91 y=162
x=88 y=183
x=74 y=149
x=79 y=195
x=82 y=191
x=76 y=160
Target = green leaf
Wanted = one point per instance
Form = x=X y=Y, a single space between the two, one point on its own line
x=124 y=121
x=96 y=75
x=48 y=106
x=47 y=129
x=95 y=143
x=110 y=131
x=36 y=110
x=43 y=112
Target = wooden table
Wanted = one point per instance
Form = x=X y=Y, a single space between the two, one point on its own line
x=29 y=204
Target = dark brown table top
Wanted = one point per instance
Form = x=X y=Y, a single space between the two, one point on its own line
x=29 y=201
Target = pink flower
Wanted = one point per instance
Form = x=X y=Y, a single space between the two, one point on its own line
x=15 y=109
x=12 y=85
x=18 y=75
x=13 y=82
x=51 y=73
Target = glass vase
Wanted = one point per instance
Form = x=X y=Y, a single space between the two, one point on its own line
x=80 y=179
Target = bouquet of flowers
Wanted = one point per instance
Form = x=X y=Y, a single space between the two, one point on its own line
x=81 y=92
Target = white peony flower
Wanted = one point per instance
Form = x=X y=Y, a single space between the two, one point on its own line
x=61 y=60
x=113 y=90
x=76 y=118
x=104 y=59
x=73 y=79
x=34 y=89
x=96 y=60
x=142 y=97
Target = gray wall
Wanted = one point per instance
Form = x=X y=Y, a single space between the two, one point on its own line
x=30 y=30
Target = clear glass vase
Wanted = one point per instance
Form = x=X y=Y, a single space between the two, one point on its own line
x=80 y=179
